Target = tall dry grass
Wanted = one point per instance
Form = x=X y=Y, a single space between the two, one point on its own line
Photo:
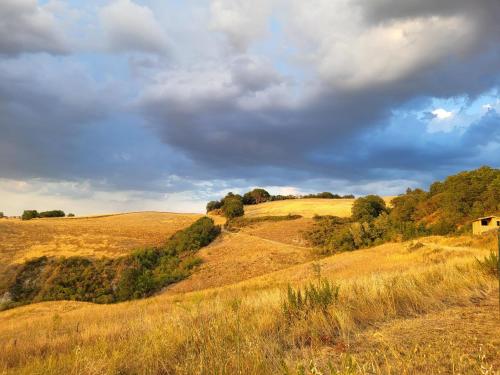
x=233 y=331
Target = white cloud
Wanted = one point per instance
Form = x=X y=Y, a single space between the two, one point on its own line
x=28 y=27
x=132 y=27
x=243 y=21
x=349 y=53
x=442 y=114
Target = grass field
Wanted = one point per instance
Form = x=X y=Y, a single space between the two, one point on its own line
x=304 y=207
x=403 y=308
x=98 y=236
x=108 y=235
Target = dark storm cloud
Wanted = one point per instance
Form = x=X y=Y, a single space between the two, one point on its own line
x=383 y=10
x=239 y=117
x=43 y=112
x=26 y=26
x=222 y=134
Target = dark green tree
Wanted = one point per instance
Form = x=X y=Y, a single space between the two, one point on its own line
x=29 y=214
x=365 y=209
x=213 y=205
x=256 y=196
x=233 y=207
x=53 y=213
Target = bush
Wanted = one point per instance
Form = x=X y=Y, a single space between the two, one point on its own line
x=71 y=215
x=29 y=214
x=490 y=264
x=53 y=213
x=315 y=296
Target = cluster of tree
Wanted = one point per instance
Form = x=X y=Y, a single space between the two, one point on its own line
x=111 y=280
x=448 y=207
x=1 y=215
x=33 y=214
x=257 y=196
x=328 y=195
x=230 y=206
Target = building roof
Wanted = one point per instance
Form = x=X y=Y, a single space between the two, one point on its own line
x=486 y=217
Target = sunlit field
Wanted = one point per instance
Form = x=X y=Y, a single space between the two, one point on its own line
x=308 y=207
x=98 y=236
x=413 y=307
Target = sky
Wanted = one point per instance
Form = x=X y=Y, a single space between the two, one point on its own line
x=121 y=105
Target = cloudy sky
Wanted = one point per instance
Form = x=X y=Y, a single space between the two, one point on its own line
x=164 y=104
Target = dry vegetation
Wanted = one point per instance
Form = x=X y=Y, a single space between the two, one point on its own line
x=403 y=308
x=305 y=207
x=97 y=236
x=109 y=235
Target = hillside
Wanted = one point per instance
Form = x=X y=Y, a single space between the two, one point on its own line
x=94 y=236
x=306 y=207
x=418 y=306
x=391 y=317
x=106 y=235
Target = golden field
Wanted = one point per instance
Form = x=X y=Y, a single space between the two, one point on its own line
x=305 y=207
x=107 y=235
x=94 y=236
x=417 y=307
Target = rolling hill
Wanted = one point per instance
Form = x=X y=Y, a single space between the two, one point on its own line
x=93 y=236
x=306 y=207
x=421 y=306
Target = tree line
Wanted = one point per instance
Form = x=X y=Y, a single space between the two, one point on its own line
x=232 y=204
x=34 y=214
x=448 y=207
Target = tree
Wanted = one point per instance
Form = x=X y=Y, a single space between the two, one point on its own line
x=365 y=209
x=29 y=214
x=256 y=196
x=213 y=205
x=232 y=207
x=53 y=213
x=1 y=215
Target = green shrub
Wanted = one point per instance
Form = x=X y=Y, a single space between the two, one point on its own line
x=315 y=296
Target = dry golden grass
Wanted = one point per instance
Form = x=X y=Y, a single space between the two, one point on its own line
x=289 y=232
x=402 y=309
x=243 y=330
x=304 y=207
x=235 y=257
x=95 y=236
x=109 y=235
x=463 y=339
